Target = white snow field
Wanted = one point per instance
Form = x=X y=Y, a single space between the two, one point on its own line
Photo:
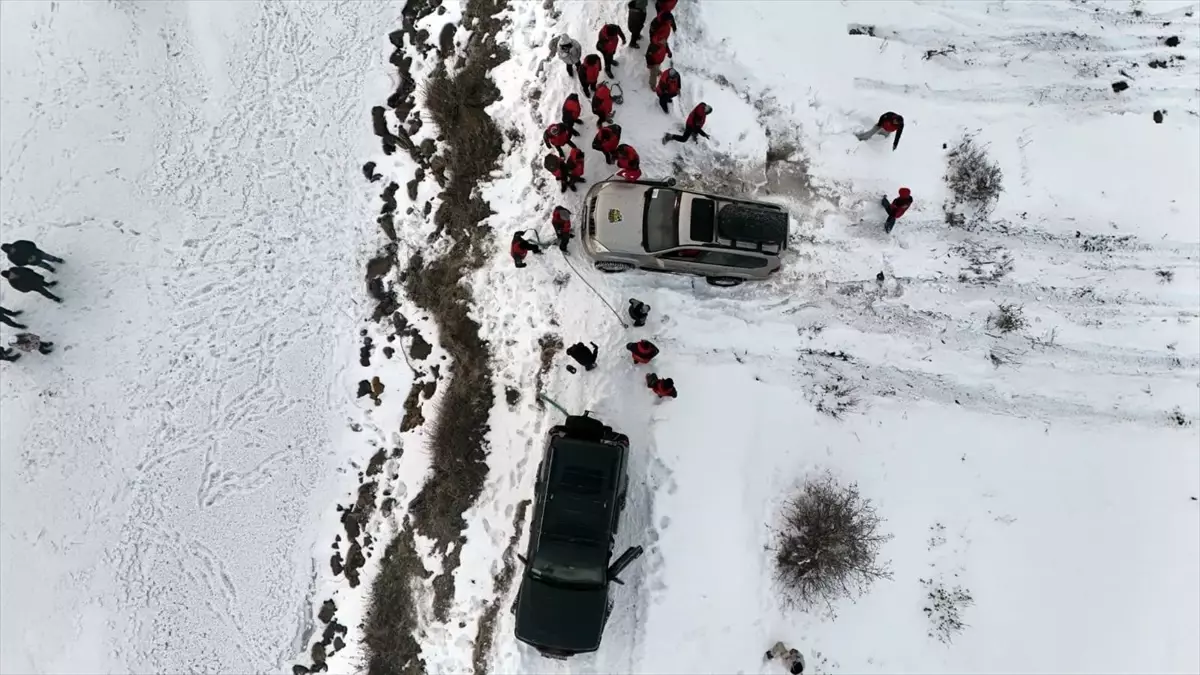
x=197 y=165
x=1051 y=472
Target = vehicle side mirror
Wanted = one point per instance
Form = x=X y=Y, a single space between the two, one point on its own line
x=632 y=553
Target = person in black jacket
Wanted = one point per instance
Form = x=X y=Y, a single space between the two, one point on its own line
x=584 y=356
x=6 y=318
x=638 y=311
x=25 y=280
x=24 y=253
x=637 y=20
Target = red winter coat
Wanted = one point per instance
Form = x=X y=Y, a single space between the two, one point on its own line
x=656 y=53
x=661 y=6
x=591 y=68
x=602 y=103
x=643 y=351
x=517 y=249
x=899 y=206
x=661 y=27
x=609 y=35
x=561 y=224
x=664 y=388
x=890 y=122
x=630 y=173
x=626 y=156
x=571 y=110
x=696 y=118
x=606 y=140
x=667 y=85
x=556 y=140
x=575 y=162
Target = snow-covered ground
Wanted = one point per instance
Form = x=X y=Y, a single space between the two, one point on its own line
x=196 y=164
x=1052 y=473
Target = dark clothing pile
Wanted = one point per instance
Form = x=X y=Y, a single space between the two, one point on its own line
x=584 y=356
x=638 y=311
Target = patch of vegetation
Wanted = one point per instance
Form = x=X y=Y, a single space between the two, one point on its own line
x=944 y=607
x=984 y=264
x=1165 y=276
x=1008 y=318
x=828 y=547
x=391 y=617
x=974 y=179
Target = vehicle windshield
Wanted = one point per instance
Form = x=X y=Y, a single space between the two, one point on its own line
x=555 y=566
x=661 y=230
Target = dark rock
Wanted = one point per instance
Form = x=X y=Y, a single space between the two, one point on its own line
x=335 y=564
x=1158 y=117
x=327 y=611
x=299 y=670
x=1172 y=41
x=318 y=653
x=1120 y=86
x=511 y=395
x=338 y=643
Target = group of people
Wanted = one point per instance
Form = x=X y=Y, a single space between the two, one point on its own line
x=568 y=167
x=642 y=352
x=24 y=254
x=889 y=123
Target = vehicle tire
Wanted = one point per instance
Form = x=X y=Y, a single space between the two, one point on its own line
x=613 y=267
x=723 y=282
x=621 y=501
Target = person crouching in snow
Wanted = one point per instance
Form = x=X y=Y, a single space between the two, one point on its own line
x=602 y=104
x=584 y=356
x=643 y=351
x=558 y=168
x=560 y=220
x=656 y=53
x=667 y=88
x=888 y=122
x=606 y=141
x=521 y=247
x=694 y=126
x=638 y=311
x=664 y=387
x=589 y=74
x=573 y=168
x=627 y=159
x=607 y=45
x=896 y=208
x=570 y=51
x=556 y=136
x=572 y=110
x=792 y=659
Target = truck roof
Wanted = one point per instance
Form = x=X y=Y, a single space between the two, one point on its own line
x=580 y=491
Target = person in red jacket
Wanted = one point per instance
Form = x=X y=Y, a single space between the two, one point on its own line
x=602 y=104
x=661 y=27
x=574 y=168
x=661 y=6
x=606 y=141
x=664 y=387
x=632 y=170
x=556 y=136
x=520 y=247
x=656 y=53
x=694 y=126
x=888 y=122
x=626 y=156
x=667 y=88
x=572 y=110
x=589 y=73
x=643 y=351
x=560 y=220
x=896 y=208
x=558 y=168
x=607 y=44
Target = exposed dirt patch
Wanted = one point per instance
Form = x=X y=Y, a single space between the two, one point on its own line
x=391 y=619
x=502 y=582
x=551 y=344
x=473 y=144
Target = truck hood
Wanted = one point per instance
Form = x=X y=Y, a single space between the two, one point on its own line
x=618 y=216
x=560 y=619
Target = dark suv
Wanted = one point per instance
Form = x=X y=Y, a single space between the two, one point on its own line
x=563 y=605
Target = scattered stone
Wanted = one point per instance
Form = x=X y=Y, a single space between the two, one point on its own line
x=511 y=396
x=327 y=611
x=338 y=644
x=335 y=564
x=364 y=388
x=419 y=349
x=375 y=466
x=1120 y=86
x=388 y=351
x=318 y=653
x=369 y=172
x=1172 y=41
x=860 y=29
x=299 y=670
x=1158 y=116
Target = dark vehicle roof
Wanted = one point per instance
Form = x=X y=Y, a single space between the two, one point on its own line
x=565 y=620
x=752 y=223
x=703 y=225
x=580 y=492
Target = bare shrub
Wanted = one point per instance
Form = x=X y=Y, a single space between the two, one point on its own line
x=984 y=264
x=1008 y=318
x=828 y=547
x=1165 y=276
x=975 y=181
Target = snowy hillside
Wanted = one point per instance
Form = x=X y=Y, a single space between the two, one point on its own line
x=1050 y=473
x=243 y=458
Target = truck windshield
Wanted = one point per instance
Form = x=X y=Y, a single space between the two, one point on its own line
x=552 y=570
x=661 y=229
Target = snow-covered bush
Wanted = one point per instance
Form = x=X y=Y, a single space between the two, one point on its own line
x=974 y=179
x=1008 y=318
x=944 y=607
x=828 y=546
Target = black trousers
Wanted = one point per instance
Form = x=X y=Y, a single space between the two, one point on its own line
x=47 y=293
x=687 y=135
x=664 y=101
x=637 y=19
x=609 y=62
x=9 y=322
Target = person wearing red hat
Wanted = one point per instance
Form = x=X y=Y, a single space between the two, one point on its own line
x=896 y=208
